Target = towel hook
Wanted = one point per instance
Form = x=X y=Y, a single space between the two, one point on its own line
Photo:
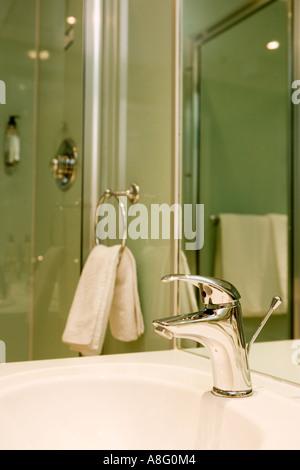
x=133 y=194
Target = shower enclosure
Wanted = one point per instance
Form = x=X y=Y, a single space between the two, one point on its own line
x=113 y=62
x=41 y=64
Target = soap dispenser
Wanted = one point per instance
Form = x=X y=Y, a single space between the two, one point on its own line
x=12 y=143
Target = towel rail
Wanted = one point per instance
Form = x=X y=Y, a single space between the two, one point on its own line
x=215 y=219
x=132 y=194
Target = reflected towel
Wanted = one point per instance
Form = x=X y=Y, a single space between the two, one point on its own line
x=245 y=256
x=279 y=223
x=87 y=321
x=126 y=320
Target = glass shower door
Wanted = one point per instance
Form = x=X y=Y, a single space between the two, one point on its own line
x=17 y=71
x=41 y=63
x=57 y=223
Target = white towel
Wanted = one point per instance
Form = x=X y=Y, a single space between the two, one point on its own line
x=98 y=295
x=279 y=223
x=245 y=256
x=88 y=317
x=126 y=320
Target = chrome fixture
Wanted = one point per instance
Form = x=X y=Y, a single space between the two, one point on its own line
x=214 y=219
x=133 y=194
x=219 y=327
x=63 y=165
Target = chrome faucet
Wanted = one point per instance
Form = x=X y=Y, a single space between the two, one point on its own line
x=218 y=327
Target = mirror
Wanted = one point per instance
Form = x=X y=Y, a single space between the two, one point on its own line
x=237 y=157
x=98 y=73
x=236 y=148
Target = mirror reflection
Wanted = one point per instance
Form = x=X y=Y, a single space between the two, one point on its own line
x=40 y=225
x=103 y=86
x=237 y=154
x=118 y=110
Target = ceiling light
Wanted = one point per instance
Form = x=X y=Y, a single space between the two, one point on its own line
x=71 y=20
x=32 y=54
x=272 y=45
x=44 y=55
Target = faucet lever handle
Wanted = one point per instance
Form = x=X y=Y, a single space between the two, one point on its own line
x=214 y=292
x=276 y=301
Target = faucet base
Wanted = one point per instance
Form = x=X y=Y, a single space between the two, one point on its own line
x=231 y=394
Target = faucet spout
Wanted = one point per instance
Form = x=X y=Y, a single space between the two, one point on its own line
x=218 y=331
x=160 y=330
x=218 y=327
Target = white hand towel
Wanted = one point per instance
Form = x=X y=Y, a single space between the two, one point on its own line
x=126 y=321
x=245 y=256
x=88 y=317
x=279 y=224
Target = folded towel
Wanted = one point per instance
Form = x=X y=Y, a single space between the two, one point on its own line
x=107 y=291
x=279 y=223
x=87 y=321
x=245 y=256
x=125 y=320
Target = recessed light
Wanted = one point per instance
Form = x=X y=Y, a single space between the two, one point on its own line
x=71 y=20
x=44 y=55
x=272 y=45
x=32 y=54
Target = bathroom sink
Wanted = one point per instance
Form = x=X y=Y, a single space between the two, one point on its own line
x=158 y=400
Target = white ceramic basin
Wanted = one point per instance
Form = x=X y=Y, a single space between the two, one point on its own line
x=157 y=400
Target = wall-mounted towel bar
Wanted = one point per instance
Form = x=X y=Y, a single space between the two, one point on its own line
x=215 y=219
x=132 y=194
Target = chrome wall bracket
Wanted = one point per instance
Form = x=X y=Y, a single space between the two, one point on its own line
x=63 y=165
x=133 y=194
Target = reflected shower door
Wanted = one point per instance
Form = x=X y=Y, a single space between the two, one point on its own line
x=40 y=234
